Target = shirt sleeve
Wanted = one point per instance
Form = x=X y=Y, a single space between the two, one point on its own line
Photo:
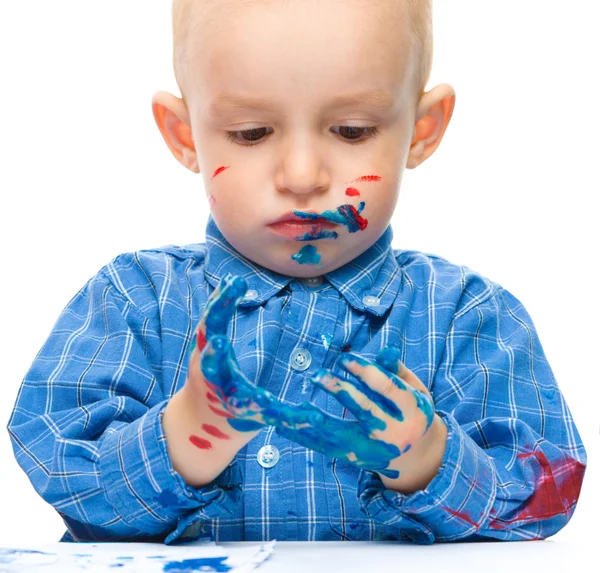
x=514 y=461
x=86 y=428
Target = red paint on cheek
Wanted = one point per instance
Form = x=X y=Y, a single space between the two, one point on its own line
x=215 y=432
x=200 y=442
x=220 y=170
x=362 y=223
x=352 y=192
x=366 y=178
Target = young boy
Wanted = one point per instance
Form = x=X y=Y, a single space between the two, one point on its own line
x=298 y=380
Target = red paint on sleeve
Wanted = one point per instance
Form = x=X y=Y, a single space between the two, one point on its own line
x=213 y=431
x=461 y=515
x=352 y=192
x=556 y=490
x=200 y=442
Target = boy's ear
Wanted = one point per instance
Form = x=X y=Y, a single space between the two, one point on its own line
x=173 y=121
x=433 y=115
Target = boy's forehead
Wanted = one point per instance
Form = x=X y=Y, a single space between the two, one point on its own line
x=345 y=41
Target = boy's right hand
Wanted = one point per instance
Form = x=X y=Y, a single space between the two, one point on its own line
x=228 y=407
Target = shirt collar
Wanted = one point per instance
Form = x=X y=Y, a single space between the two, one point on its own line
x=373 y=277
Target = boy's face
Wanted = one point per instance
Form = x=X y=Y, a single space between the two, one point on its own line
x=301 y=151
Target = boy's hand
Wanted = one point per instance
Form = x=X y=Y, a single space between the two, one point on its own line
x=393 y=408
x=222 y=401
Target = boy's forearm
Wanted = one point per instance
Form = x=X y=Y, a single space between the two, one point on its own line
x=198 y=467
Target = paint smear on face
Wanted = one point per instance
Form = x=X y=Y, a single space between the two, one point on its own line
x=366 y=179
x=345 y=215
x=211 y=200
x=307 y=256
x=220 y=170
x=200 y=442
x=352 y=192
x=317 y=232
x=213 y=431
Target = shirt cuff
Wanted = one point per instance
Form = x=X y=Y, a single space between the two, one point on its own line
x=145 y=490
x=455 y=504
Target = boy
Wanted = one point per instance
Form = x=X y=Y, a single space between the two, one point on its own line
x=298 y=380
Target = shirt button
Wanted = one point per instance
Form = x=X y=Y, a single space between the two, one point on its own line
x=370 y=300
x=268 y=456
x=312 y=281
x=301 y=360
x=250 y=295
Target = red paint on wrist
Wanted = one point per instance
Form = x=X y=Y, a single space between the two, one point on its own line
x=215 y=432
x=200 y=442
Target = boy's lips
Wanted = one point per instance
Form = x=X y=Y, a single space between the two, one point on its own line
x=292 y=226
x=291 y=216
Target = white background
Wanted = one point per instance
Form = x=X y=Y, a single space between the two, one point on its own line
x=511 y=192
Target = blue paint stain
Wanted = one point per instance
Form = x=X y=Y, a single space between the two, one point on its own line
x=169 y=499
x=316 y=234
x=326 y=338
x=307 y=256
x=388 y=361
x=194 y=565
x=345 y=215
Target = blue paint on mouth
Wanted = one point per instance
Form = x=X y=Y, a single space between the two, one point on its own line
x=307 y=256
x=315 y=235
x=345 y=215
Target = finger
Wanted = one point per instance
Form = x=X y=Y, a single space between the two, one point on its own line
x=377 y=383
x=355 y=396
x=389 y=358
x=215 y=367
x=385 y=382
x=220 y=307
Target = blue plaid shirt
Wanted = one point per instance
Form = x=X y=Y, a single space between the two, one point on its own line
x=86 y=427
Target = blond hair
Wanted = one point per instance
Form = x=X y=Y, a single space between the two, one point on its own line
x=420 y=36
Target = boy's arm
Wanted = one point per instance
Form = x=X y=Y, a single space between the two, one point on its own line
x=86 y=427
x=514 y=461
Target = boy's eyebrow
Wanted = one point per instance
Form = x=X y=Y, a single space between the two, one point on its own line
x=377 y=98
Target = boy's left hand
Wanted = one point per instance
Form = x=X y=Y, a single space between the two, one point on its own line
x=392 y=407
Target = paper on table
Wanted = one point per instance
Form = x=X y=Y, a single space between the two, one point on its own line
x=133 y=557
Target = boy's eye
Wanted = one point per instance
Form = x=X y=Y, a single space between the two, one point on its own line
x=348 y=132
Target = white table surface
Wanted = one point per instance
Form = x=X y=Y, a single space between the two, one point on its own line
x=383 y=557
